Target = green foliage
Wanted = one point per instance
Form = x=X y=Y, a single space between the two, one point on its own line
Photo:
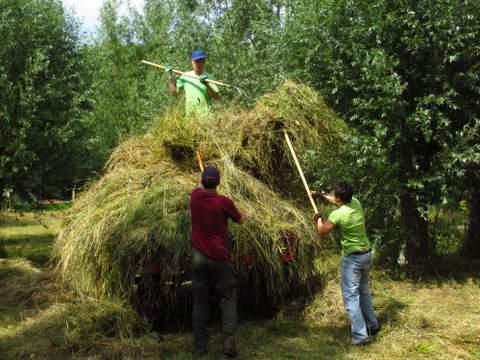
x=43 y=99
x=117 y=82
x=128 y=95
x=240 y=38
x=406 y=75
x=448 y=229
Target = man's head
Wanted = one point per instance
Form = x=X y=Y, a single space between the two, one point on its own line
x=210 y=177
x=343 y=191
x=198 y=61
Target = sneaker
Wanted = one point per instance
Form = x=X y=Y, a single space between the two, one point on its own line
x=229 y=348
x=361 y=342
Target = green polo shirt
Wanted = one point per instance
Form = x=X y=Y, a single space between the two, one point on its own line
x=197 y=99
x=349 y=219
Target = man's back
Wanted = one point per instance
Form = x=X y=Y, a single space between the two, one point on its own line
x=210 y=213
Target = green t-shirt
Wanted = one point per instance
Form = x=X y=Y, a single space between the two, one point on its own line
x=197 y=99
x=350 y=220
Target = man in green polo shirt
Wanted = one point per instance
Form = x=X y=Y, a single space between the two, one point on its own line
x=356 y=260
x=198 y=92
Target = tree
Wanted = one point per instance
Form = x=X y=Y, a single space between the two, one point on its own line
x=43 y=98
x=394 y=70
x=117 y=82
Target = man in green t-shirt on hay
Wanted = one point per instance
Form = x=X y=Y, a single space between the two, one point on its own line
x=198 y=92
x=356 y=260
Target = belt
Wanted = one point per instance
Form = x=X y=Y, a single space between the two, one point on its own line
x=360 y=252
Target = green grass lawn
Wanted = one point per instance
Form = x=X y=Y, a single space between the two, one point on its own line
x=29 y=235
x=435 y=318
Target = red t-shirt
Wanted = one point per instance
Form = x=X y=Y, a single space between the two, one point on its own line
x=210 y=214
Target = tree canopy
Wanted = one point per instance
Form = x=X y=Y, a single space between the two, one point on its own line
x=403 y=75
x=43 y=83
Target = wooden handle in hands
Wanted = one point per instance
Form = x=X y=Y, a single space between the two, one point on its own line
x=300 y=171
x=186 y=74
x=199 y=159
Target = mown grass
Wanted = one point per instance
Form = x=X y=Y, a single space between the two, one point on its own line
x=432 y=318
x=29 y=235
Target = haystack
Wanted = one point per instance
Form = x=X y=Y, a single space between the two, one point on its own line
x=128 y=235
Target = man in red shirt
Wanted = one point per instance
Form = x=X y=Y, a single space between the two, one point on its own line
x=211 y=260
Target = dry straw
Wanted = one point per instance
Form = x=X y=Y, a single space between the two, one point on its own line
x=128 y=235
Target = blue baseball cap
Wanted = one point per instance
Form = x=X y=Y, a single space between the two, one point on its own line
x=198 y=55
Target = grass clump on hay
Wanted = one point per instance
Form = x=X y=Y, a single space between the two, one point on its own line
x=128 y=235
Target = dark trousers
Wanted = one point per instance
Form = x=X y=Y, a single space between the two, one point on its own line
x=205 y=274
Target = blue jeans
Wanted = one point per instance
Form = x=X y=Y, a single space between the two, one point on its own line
x=356 y=295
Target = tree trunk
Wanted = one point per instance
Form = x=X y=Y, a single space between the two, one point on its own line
x=416 y=231
x=472 y=242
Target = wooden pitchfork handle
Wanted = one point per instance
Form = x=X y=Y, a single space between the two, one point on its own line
x=199 y=159
x=300 y=171
x=186 y=74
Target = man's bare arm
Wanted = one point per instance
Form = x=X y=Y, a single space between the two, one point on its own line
x=212 y=92
x=325 y=227
x=172 y=87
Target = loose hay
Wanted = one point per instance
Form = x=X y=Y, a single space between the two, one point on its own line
x=128 y=235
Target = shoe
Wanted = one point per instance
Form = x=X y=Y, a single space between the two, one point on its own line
x=361 y=342
x=373 y=331
x=229 y=348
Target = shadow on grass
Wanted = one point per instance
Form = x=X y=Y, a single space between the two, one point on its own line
x=24 y=240
x=38 y=320
x=439 y=270
x=36 y=247
x=39 y=337
x=293 y=339
x=19 y=280
x=390 y=311
x=25 y=289
x=288 y=335
x=267 y=339
x=457 y=268
x=24 y=293
x=63 y=329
